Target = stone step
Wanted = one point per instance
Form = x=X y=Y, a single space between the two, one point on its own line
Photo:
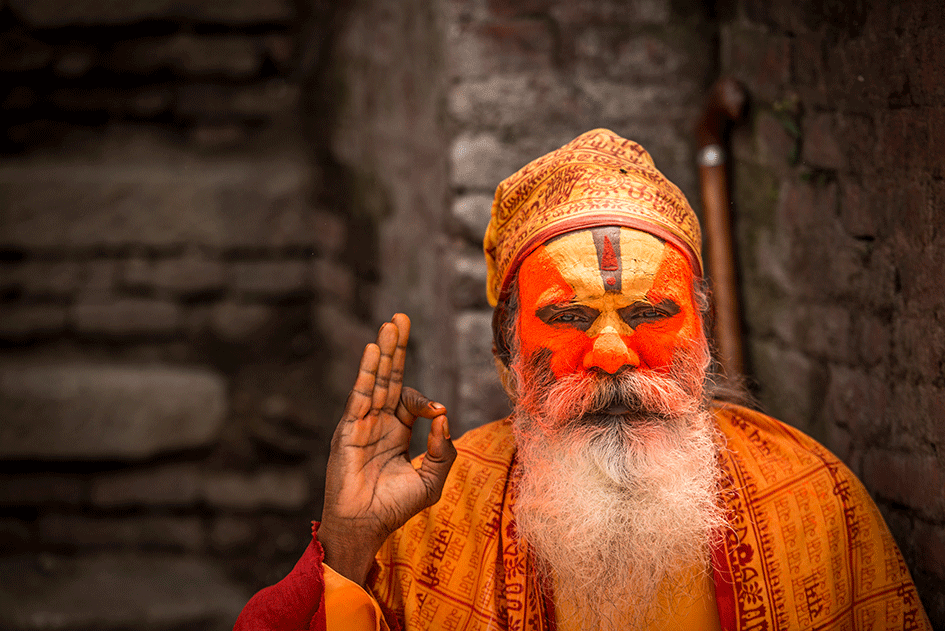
x=84 y=411
x=112 y=592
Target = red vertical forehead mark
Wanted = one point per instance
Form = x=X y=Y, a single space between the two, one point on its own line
x=607 y=242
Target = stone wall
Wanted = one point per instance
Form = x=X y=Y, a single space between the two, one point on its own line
x=839 y=204
x=175 y=283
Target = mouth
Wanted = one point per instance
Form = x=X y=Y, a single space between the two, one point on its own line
x=609 y=415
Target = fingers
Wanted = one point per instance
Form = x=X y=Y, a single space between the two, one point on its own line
x=414 y=404
x=439 y=458
x=360 y=398
x=402 y=322
x=386 y=343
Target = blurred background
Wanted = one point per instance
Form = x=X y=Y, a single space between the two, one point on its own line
x=208 y=207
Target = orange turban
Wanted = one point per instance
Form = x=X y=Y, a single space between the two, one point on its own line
x=597 y=179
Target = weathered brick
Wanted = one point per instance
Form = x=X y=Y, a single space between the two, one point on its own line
x=285 y=489
x=342 y=332
x=23 y=53
x=334 y=280
x=920 y=340
x=856 y=136
x=271 y=279
x=788 y=382
x=921 y=273
x=235 y=321
x=509 y=100
x=259 y=101
x=20 y=322
x=177 y=533
x=481 y=397
x=15 y=534
x=481 y=161
x=88 y=411
x=42 y=489
x=912 y=479
x=231 y=56
x=873 y=335
x=482 y=49
x=126 y=317
x=761 y=60
x=857 y=400
x=232 y=201
x=615 y=100
x=74 y=61
x=580 y=12
x=903 y=141
x=468 y=280
x=777 y=141
x=117 y=591
x=98 y=278
x=189 y=275
x=827 y=332
x=168 y=485
x=472 y=213
x=860 y=215
x=58 y=13
x=930 y=544
x=232 y=533
x=821 y=148
x=925 y=73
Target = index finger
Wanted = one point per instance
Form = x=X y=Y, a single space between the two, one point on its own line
x=397 y=364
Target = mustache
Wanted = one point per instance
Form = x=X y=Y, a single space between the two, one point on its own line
x=603 y=398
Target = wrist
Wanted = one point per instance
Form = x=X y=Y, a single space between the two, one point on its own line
x=344 y=553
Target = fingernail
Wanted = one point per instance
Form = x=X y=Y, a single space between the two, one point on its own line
x=446 y=428
x=435 y=405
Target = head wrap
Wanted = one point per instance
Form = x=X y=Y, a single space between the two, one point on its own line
x=597 y=179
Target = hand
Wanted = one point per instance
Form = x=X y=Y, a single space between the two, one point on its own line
x=371 y=488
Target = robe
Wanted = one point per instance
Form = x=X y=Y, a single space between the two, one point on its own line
x=805 y=548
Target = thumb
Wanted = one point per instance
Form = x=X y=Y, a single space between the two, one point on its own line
x=438 y=460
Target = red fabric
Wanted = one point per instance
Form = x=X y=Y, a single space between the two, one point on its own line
x=296 y=603
x=724 y=587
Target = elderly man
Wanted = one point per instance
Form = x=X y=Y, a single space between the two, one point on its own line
x=618 y=494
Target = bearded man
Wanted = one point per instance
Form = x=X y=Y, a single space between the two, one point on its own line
x=619 y=494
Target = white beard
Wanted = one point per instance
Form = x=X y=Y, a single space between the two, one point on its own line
x=617 y=513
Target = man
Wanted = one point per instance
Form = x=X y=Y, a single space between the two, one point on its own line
x=618 y=495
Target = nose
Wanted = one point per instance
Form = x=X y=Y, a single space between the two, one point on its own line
x=609 y=353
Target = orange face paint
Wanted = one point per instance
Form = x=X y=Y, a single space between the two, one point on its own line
x=605 y=299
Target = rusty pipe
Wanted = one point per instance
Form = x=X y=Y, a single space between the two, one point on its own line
x=724 y=105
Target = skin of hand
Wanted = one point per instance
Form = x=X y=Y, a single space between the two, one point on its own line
x=371 y=487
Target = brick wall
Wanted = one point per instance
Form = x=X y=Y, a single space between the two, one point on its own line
x=839 y=197
x=175 y=279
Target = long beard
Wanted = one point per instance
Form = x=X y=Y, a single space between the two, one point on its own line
x=616 y=509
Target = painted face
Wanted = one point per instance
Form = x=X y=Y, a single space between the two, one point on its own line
x=605 y=299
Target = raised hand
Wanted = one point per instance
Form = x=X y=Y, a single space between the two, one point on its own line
x=371 y=487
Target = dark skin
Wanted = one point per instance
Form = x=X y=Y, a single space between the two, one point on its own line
x=371 y=487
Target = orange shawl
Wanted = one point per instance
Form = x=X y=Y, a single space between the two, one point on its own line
x=807 y=548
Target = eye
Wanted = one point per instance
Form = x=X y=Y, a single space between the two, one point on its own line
x=568 y=315
x=642 y=312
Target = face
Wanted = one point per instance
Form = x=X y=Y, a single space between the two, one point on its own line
x=606 y=300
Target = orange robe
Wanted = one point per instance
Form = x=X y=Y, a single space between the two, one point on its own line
x=806 y=548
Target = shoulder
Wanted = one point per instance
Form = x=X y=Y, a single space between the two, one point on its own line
x=776 y=450
x=800 y=520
